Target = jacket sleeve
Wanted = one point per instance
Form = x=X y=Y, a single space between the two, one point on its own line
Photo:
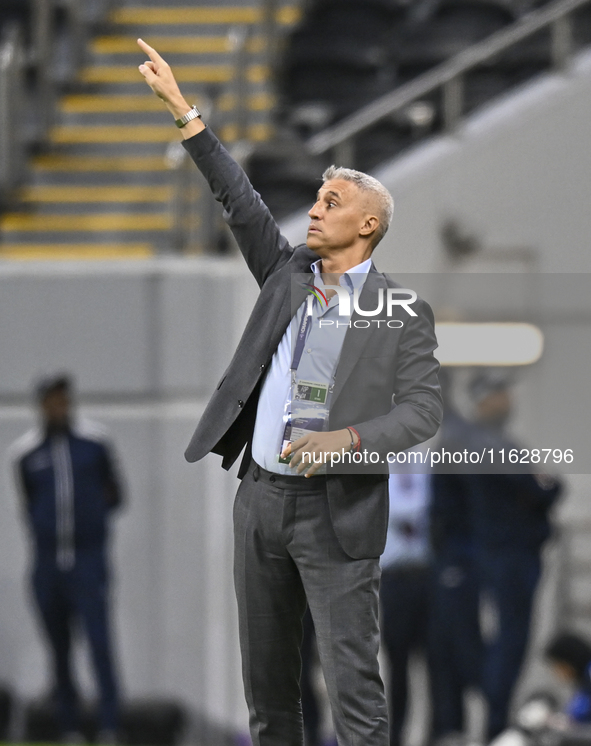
x=21 y=484
x=114 y=492
x=538 y=492
x=15 y=477
x=253 y=226
x=418 y=405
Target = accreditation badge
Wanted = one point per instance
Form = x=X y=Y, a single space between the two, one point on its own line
x=308 y=414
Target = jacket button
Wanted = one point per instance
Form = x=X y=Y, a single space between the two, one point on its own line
x=240 y=403
x=271 y=479
x=263 y=366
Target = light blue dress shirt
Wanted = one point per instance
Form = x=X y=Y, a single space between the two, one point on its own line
x=318 y=363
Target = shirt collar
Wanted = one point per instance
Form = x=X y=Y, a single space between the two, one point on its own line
x=354 y=277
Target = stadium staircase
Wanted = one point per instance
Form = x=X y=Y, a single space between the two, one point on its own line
x=102 y=188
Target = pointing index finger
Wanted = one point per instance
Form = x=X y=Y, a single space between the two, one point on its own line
x=150 y=51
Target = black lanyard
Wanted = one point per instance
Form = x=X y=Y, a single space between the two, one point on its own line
x=301 y=341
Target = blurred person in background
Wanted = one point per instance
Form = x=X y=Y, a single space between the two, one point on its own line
x=66 y=476
x=311 y=709
x=455 y=639
x=510 y=514
x=570 y=658
x=404 y=588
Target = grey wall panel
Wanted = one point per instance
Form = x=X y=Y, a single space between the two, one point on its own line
x=562 y=401
x=137 y=549
x=202 y=317
x=23 y=659
x=161 y=328
x=95 y=326
x=200 y=640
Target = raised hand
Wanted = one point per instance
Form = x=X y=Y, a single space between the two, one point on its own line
x=159 y=77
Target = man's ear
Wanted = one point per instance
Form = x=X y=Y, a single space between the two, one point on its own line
x=369 y=225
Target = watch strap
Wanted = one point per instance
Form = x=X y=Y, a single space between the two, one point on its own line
x=193 y=113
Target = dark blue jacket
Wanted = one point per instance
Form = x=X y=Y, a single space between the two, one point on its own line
x=511 y=511
x=508 y=509
x=511 y=507
x=68 y=484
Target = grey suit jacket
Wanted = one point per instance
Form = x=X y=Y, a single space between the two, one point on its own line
x=376 y=366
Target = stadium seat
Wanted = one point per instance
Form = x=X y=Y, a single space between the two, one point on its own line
x=340 y=55
x=382 y=141
x=366 y=20
x=285 y=175
x=343 y=75
x=453 y=26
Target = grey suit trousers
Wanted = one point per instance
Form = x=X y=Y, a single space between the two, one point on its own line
x=286 y=552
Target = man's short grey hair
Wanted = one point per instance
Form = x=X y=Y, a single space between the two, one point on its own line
x=367 y=183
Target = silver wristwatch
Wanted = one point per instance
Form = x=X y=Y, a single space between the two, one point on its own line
x=193 y=113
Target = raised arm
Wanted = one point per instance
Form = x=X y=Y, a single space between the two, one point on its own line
x=252 y=224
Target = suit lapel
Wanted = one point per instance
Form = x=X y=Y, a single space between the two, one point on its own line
x=357 y=338
x=294 y=292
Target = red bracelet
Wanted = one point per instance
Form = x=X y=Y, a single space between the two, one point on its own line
x=352 y=430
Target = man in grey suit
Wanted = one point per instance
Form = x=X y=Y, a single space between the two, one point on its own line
x=305 y=531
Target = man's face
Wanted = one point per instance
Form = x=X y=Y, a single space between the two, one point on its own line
x=55 y=408
x=564 y=671
x=495 y=408
x=338 y=216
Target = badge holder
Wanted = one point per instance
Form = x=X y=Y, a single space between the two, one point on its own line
x=305 y=413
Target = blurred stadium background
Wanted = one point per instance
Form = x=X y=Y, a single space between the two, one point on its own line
x=115 y=265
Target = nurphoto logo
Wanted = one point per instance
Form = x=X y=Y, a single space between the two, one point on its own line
x=392 y=298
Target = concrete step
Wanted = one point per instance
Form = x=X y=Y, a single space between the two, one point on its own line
x=65 y=163
x=22 y=224
x=105 y=187
x=38 y=211
x=110 y=150
x=160 y=240
x=131 y=110
x=82 y=200
x=230 y=3
x=116 y=104
x=82 y=194
x=83 y=179
x=195 y=73
x=160 y=118
x=113 y=133
x=186 y=44
x=74 y=251
x=144 y=139
x=87 y=171
x=209 y=15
